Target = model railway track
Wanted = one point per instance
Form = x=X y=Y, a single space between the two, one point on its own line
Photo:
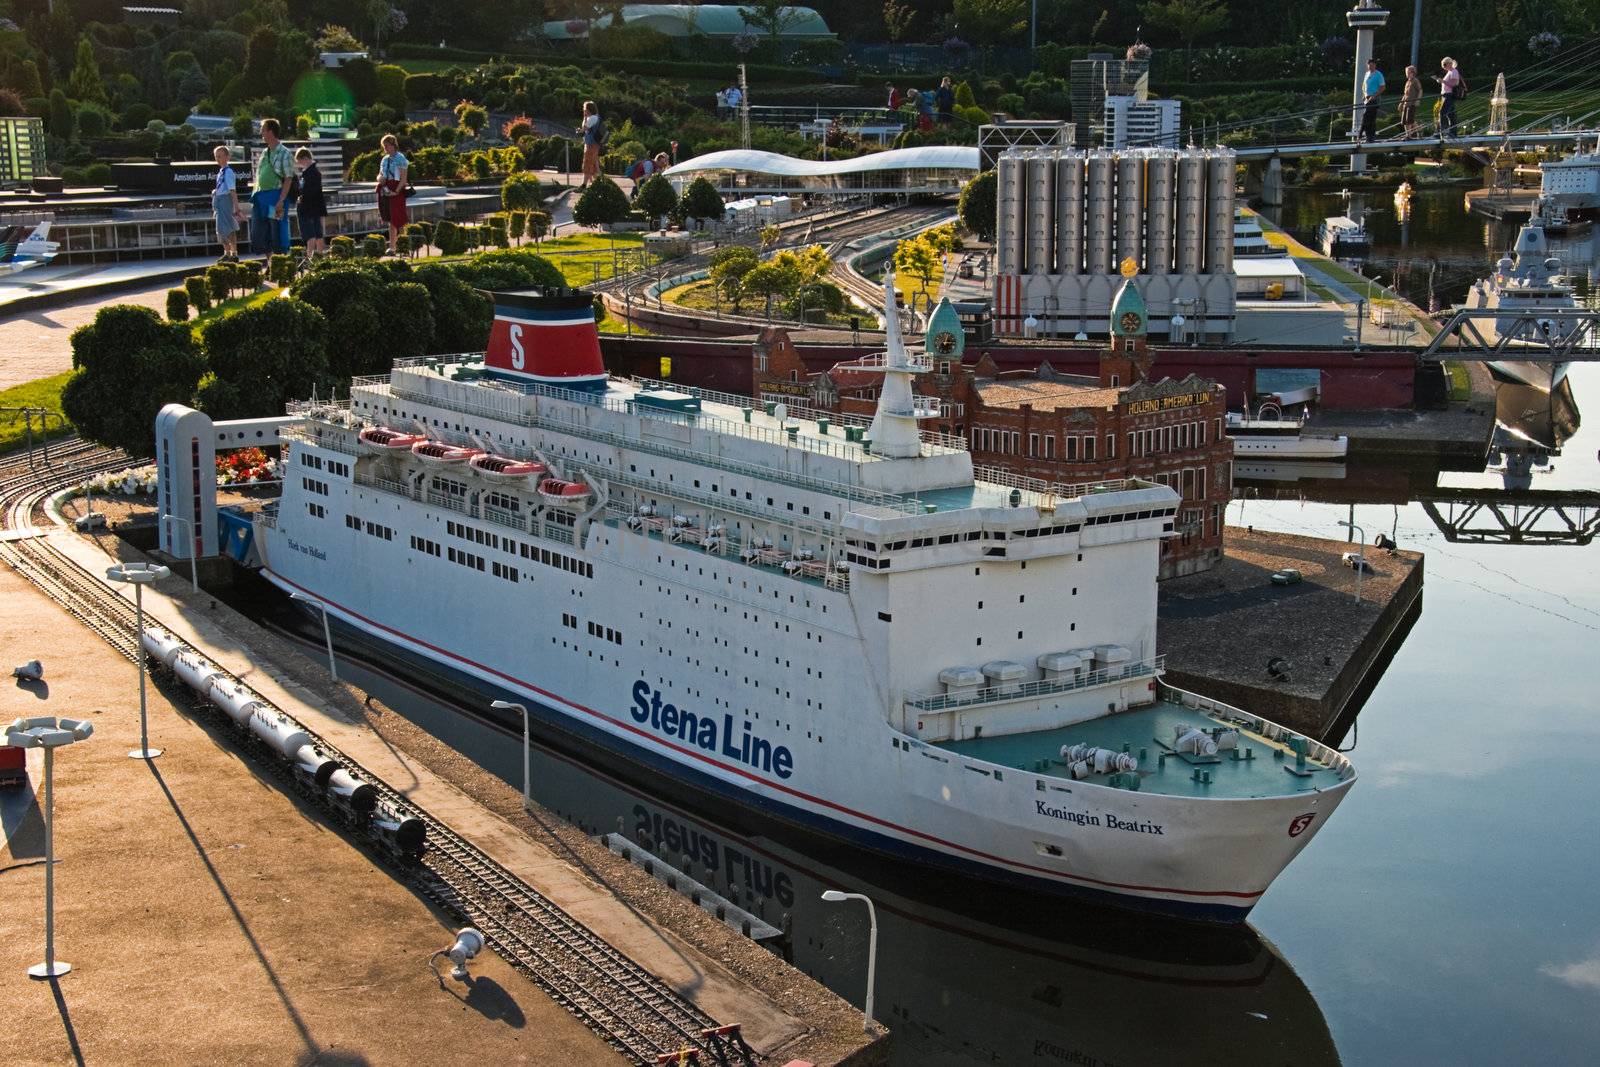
x=637 y=1013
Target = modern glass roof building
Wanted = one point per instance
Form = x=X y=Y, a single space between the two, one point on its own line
x=928 y=169
x=721 y=21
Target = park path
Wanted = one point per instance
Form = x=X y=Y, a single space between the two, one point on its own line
x=38 y=344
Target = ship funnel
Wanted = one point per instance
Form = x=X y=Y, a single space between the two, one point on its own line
x=548 y=338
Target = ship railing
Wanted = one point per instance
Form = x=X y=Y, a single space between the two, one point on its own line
x=1323 y=754
x=268 y=516
x=447 y=500
x=312 y=434
x=880 y=361
x=1039 y=687
x=854 y=494
x=505 y=517
x=556 y=532
x=387 y=485
x=1058 y=490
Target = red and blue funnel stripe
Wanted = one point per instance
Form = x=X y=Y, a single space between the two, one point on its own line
x=548 y=339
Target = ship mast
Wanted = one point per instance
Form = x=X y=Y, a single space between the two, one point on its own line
x=894 y=430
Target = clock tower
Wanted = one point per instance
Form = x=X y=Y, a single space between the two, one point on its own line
x=945 y=340
x=1127 y=357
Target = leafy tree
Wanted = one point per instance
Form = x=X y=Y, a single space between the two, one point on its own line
x=461 y=315
x=728 y=269
x=656 y=197
x=701 y=201
x=1187 y=20
x=897 y=19
x=199 y=292
x=178 y=305
x=471 y=117
x=918 y=257
x=601 y=204
x=990 y=22
x=376 y=319
x=774 y=18
x=261 y=357
x=538 y=225
x=977 y=208
x=85 y=83
x=11 y=103
x=129 y=364
x=392 y=86
x=516 y=225
x=509 y=268
x=334 y=38
x=770 y=279
x=60 y=119
x=521 y=192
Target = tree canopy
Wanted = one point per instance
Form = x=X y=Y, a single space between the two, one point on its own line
x=129 y=364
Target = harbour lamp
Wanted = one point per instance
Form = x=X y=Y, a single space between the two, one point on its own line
x=468 y=943
x=327 y=633
x=49 y=734
x=508 y=705
x=139 y=575
x=835 y=896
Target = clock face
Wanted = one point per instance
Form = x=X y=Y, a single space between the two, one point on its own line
x=944 y=342
x=1130 y=322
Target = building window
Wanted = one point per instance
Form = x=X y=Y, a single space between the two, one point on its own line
x=1088 y=447
x=1111 y=446
x=1033 y=445
x=1071 y=443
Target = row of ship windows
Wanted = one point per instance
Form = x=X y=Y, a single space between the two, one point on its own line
x=373 y=528
x=332 y=466
x=604 y=633
x=526 y=551
x=314 y=485
x=805 y=509
x=743 y=584
x=1072 y=627
x=754 y=617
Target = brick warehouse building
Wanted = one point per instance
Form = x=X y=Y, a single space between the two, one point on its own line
x=1055 y=427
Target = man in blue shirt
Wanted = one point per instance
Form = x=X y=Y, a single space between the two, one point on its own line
x=1372 y=86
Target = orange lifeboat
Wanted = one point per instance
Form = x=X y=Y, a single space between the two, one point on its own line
x=383 y=439
x=563 y=494
x=443 y=454
x=504 y=468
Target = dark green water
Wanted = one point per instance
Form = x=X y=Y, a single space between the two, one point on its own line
x=1448 y=914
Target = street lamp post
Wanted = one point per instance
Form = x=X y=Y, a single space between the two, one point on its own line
x=834 y=896
x=194 y=554
x=527 y=777
x=1359 y=560
x=49 y=734
x=327 y=631
x=139 y=575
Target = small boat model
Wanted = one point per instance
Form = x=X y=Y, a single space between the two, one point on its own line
x=559 y=493
x=503 y=468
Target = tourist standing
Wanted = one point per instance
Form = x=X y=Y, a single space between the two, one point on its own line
x=392 y=184
x=722 y=103
x=312 y=206
x=593 y=133
x=1410 y=99
x=225 y=204
x=735 y=98
x=1449 y=92
x=945 y=99
x=895 y=99
x=925 y=110
x=269 y=200
x=1372 y=86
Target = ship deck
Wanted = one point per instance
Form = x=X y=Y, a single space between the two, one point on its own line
x=1148 y=733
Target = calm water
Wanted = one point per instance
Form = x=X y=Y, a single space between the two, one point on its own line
x=1448 y=914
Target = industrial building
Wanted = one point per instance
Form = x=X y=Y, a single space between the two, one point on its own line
x=1093 y=79
x=1070 y=221
x=1133 y=123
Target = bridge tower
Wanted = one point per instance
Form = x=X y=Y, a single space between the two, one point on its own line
x=1498 y=104
x=1364 y=18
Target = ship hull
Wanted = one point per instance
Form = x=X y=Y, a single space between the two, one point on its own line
x=1541 y=376
x=1160 y=890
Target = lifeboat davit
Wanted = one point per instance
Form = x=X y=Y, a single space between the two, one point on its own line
x=504 y=468
x=562 y=494
x=383 y=439
x=441 y=453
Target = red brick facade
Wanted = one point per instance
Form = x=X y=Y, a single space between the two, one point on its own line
x=1059 y=428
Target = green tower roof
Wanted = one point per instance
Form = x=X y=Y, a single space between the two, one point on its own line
x=1129 y=301
x=944 y=321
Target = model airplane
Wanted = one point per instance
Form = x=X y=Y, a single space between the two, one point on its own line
x=19 y=253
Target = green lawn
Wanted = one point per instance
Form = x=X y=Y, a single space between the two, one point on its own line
x=699 y=296
x=42 y=393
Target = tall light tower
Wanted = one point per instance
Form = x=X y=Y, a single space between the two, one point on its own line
x=1365 y=17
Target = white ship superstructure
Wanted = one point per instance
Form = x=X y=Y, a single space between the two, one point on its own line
x=1525 y=282
x=843 y=626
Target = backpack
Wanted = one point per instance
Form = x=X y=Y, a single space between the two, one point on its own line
x=294 y=190
x=601 y=134
x=1461 y=87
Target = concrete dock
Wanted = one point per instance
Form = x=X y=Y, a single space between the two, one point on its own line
x=1221 y=628
x=784 y=1014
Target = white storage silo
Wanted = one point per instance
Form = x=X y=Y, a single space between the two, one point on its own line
x=1160 y=182
x=1041 y=197
x=1069 y=213
x=1130 y=209
x=1099 y=207
x=1220 y=180
x=1191 y=211
x=1008 y=198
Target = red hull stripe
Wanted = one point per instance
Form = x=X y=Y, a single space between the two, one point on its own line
x=694 y=754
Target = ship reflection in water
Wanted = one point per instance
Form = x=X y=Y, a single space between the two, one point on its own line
x=999 y=980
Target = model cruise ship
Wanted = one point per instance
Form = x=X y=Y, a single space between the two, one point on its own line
x=838 y=625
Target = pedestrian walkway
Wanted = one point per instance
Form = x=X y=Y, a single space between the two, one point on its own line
x=52 y=285
x=37 y=343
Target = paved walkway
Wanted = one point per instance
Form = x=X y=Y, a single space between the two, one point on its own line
x=38 y=344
